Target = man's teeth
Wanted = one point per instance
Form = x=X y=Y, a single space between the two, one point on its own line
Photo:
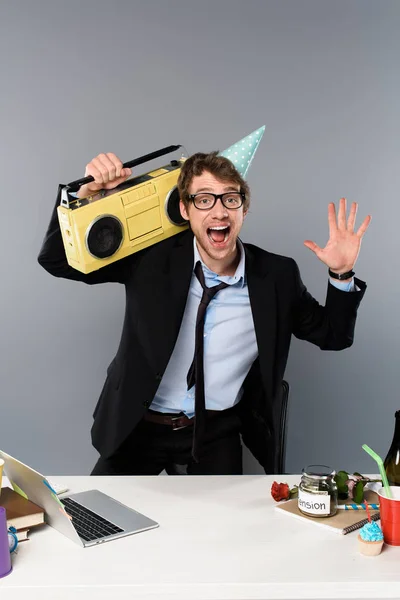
x=221 y=228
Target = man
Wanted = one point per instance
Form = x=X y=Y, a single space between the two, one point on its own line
x=150 y=415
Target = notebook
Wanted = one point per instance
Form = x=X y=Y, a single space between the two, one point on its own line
x=20 y=512
x=88 y=518
x=345 y=521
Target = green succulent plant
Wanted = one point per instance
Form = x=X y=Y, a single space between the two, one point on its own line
x=351 y=485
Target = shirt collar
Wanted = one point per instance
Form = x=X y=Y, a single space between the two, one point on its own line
x=239 y=278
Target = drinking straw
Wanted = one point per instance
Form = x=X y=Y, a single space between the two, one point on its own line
x=368 y=513
x=381 y=469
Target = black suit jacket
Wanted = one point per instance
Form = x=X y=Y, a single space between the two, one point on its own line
x=157 y=282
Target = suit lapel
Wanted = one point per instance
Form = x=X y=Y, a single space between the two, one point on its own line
x=263 y=302
x=180 y=274
x=174 y=290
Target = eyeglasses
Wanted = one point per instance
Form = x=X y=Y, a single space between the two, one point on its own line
x=206 y=201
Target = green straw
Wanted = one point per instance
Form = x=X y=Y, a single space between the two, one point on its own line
x=381 y=469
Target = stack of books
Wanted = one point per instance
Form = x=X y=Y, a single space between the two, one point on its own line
x=23 y=514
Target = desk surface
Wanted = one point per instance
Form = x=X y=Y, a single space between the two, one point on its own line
x=219 y=538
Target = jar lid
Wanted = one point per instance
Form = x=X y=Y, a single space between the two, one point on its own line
x=319 y=472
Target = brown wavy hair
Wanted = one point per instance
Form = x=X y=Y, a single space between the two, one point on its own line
x=219 y=166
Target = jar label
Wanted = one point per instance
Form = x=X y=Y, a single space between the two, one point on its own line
x=314 y=504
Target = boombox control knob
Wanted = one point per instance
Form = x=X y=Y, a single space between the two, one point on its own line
x=104 y=236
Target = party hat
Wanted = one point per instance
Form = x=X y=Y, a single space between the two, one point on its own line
x=5 y=558
x=242 y=153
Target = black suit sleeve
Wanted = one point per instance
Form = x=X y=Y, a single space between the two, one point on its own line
x=330 y=327
x=53 y=259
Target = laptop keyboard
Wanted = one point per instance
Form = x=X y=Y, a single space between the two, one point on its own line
x=88 y=524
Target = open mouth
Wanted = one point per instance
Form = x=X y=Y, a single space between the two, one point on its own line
x=218 y=235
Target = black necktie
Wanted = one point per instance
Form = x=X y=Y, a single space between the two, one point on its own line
x=196 y=372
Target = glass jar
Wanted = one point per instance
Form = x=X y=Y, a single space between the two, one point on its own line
x=318 y=493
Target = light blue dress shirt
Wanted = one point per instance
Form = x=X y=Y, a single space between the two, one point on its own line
x=230 y=346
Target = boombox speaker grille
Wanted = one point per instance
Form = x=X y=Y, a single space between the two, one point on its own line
x=104 y=236
x=172 y=208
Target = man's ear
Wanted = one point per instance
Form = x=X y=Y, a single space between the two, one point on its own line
x=183 y=210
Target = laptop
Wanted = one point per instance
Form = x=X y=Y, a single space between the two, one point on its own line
x=87 y=518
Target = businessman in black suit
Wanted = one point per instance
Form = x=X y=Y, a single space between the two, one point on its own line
x=150 y=415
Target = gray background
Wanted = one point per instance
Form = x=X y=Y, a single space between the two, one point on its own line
x=79 y=78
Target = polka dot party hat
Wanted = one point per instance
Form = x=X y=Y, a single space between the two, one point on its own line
x=242 y=153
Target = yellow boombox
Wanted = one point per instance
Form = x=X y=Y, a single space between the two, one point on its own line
x=112 y=224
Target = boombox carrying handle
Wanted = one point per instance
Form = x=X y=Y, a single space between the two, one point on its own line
x=75 y=185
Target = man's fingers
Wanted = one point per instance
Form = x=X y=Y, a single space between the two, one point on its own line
x=125 y=173
x=97 y=164
x=120 y=172
x=364 y=226
x=105 y=166
x=107 y=171
x=110 y=167
x=352 y=216
x=92 y=170
x=312 y=246
x=341 y=221
x=116 y=162
x=332 y=218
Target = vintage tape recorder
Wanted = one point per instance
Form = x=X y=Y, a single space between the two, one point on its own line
x=108 y=226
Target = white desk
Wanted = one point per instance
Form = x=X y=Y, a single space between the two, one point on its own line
x=219 y=538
